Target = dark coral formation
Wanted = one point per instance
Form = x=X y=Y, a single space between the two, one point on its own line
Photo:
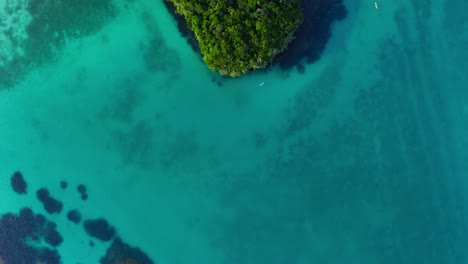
x=63 y=184
x=313 y=34
x=83 y=192
x=18 y=184
x=155 y=47
x=84 y=196
x=52 y=236
x=99 y=228
x=81 y=188
x=74 y=216
x=30 y=238
x=16 y=232
x=50 y=204
x=120 y=252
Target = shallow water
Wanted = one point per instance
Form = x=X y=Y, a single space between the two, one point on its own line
x=360 y=159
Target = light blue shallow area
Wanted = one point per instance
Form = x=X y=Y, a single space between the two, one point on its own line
x=363 y=158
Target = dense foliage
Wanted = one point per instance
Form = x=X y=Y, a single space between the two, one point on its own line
x=236 y=36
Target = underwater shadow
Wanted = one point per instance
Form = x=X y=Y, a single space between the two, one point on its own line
x=313 y=34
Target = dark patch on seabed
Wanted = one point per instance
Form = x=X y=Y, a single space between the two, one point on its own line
x=18 y=183
x=49 y=203
x=22 y=235
x=120 y=252
x=155 y=47
x=100 y=229
x=310 y=39
x=17 y=231
x=74 y=216
x=64 y=19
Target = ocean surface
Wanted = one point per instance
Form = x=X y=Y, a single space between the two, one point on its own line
x=360 y=156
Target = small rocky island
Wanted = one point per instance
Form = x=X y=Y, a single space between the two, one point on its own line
x=236 y=36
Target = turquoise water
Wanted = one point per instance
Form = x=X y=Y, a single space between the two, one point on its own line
x=360 y=159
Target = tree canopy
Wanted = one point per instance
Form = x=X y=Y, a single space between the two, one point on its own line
x=236 y=36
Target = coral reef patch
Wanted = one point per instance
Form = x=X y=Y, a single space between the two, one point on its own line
x=18 y=184
x=74 y=216
x=81 y=188
x=20 y=235
x=63 y=184
x=120 y=252
x=50 y=204
x=30 y=238
x=99 y=228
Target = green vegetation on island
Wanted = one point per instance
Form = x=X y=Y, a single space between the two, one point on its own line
x=236 y=36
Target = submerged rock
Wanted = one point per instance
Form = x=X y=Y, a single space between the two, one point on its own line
x=30 y=238
x=84 y=196
x=52 y=236
x=50 y=204
x=74 y=216
x=17 y=232
x=120 y=252
x=99 y=228
x=18 y=184
x=63 y=184
x=81 y=188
